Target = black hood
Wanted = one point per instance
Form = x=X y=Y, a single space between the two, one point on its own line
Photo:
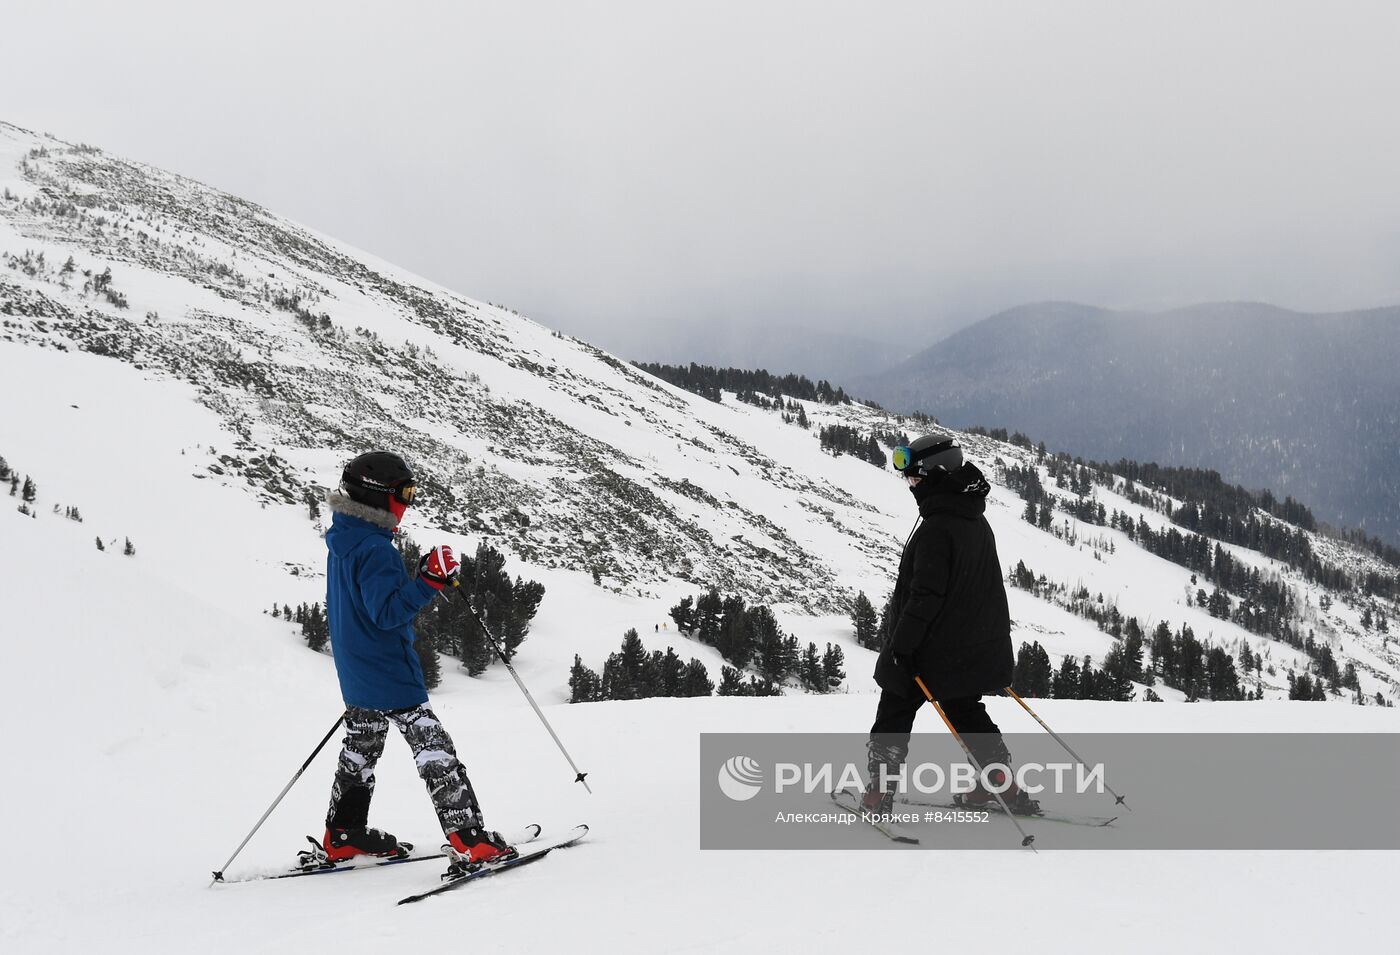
x=963 y=492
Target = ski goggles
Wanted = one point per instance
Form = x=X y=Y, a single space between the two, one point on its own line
x=901 y=457
x=403 y=493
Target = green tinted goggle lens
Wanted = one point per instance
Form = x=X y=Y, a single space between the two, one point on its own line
x=902 y=458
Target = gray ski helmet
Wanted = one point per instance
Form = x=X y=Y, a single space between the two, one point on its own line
x=933 y=452
x=372 y=478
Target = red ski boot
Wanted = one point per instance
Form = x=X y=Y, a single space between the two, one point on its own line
x=474 y=845
x=342 y=844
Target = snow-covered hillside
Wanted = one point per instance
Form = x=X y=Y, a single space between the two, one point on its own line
x=303 y=351
x=199 y=398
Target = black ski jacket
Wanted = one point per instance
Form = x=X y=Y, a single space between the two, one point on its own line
x=948 y=615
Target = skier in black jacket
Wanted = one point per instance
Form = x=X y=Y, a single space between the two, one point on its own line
x=948 y=621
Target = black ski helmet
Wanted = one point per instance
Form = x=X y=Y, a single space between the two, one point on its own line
x=373 y=477
x=931 y=453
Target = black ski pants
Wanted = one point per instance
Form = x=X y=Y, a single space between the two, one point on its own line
x=894 y=720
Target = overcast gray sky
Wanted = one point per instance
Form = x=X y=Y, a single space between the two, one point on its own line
x=619 y=170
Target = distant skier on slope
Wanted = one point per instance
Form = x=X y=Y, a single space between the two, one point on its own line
x=948 y=621
x=370 y=603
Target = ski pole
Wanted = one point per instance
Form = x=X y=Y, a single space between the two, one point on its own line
x=1118 y=800
x=578 y=775
x=1026 y=838
x=219 y=874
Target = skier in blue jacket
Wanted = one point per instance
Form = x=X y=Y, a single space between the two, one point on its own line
x=371 y=601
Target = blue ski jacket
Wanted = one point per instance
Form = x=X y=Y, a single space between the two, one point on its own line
x=370 y=604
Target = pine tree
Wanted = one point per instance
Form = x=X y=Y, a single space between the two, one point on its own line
x=130 y=549
x=522 y=601
x=670 y=674
x=1091 y=682
x=29 y=492
x=1299 y=687
x=4 y=470
x=778 y=656
x=475 y=652
x=1033 y=673
x=314 y=628
x=1132 y=652
x=683 y=614
x=1164 y=654
x=428 y=661
x=584 y=685
x=834 y=666
x=696 y=680
x=1222 y=682
x=740 y=630
x=707 y=615
x=865 y=621
x=625 y=674
x=809 y=670
x=1117 y=685
x=730 y=683
x=100 y=545
x=1350 y=679
x=14 y=484
x=1065 y=685
x=1023 y=577
x=886 y=623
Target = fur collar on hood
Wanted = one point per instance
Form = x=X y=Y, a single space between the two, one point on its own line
x=340 y=503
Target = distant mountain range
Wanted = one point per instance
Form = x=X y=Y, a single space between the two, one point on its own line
x=1306 y=405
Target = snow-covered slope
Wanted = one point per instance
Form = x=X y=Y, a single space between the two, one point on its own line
x=152 y=726
x=199 y=417
x=303 y=351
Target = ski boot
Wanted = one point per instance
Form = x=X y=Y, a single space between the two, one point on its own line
x=874 y=801
x=473 y=847
x=1017 y=800
x=341 y=844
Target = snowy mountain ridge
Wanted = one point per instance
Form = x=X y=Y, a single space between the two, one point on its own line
x=565 y=458
x=298 y=343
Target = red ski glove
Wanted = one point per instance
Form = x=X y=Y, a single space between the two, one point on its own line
x=438 y=568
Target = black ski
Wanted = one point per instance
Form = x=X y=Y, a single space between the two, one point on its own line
x=459 y=879
x=1091 y=821
x=364 y=863
x=850 y=801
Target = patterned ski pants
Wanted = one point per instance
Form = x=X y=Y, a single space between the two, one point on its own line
x=433 y=753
